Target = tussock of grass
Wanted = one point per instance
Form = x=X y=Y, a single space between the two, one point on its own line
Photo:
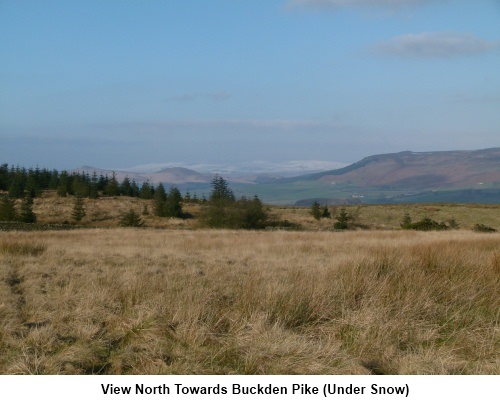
x=30 y=248
x=125 y=301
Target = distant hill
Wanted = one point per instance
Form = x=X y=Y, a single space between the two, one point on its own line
x=178 y=175
x=171 y=175
x=420 y=171
x=452 y=176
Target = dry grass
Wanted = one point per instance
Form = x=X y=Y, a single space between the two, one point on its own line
x=145 y=301
x=388 y=217
x=106 y=212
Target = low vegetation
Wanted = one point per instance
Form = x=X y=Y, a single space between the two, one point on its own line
x=483 y=228
x=131 y=218
x=425 y=224
x=118 y=301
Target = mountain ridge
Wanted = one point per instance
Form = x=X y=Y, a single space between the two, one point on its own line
x=419 y=170
x=460 y=176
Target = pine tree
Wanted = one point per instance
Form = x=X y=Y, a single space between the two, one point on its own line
x=63 y=187
x=17 y=185
x=223 y=211
x=316 y=210
x=102 y=183
x=131 y=218
x=80 y=186
x=94 y=186
x=407 y=222
x=159 y=204
x=326 y=213
x=342 y=220
x=135 y=191
x=7 y=209
x=126 y=187
x=221 y=190
x=26 y=213
x=254 y=215
x=78 y=209
x=112 y=188
x=146 y=191
x=173 y=207
x=4 y=177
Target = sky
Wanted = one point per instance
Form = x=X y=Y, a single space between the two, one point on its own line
x=120 y=83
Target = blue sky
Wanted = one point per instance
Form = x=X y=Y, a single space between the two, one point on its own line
x=123 y=83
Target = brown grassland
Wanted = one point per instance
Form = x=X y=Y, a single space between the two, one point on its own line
x=202 y=301
x=106 y=211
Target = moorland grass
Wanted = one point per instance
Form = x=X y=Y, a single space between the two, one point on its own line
x=146 y=301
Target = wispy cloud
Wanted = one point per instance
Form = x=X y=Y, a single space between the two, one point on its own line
x=340 y=4
x=213 y=96
x=435 y=45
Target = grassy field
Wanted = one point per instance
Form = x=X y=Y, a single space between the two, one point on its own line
x=106 y=212
x=154 y=301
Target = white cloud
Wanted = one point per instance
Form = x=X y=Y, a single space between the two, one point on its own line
x=435 y=45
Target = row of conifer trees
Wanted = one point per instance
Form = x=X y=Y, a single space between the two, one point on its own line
x=18 y=181
x=221 y=210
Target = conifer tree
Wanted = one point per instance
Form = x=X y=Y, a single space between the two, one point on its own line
x=126 y=187
x=112 y=188
x=407 y=221
x=4 y=177
x=146 y=191
x=134 y=189
x=254 y=216
x=63 y=187
x=32 y=185
x=80 y=186
x=94 y=186
x=326 y=213
x=54 y=180
x=159 y=205
x=26 y=213
x=17 y=185
x=316 y=210
x=131 y=218
x=78 y=209
x=223 y=211
x=7 y=209
x=173 y=207
x=102 y=182
x=221 y=190
x=342 y=220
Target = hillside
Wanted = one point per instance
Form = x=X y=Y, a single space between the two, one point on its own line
x=173 y=175
x=418 y=170
x=404 y=177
